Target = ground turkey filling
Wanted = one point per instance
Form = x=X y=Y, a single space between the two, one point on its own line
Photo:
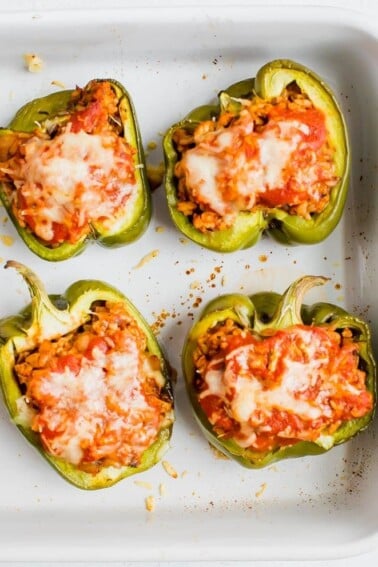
x=95 y=396
x=301 y=383
x=74 y=171
x=271 y=154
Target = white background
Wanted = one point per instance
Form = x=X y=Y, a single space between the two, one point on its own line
x=366 y=6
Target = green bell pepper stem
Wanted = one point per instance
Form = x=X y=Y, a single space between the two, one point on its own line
x=262 y=313
x=248 y=227
x=49 y=317
x=54 y=108
x=288 y=310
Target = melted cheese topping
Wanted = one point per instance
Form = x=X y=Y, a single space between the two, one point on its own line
x=105 y=395
x=73 y=178
x=220 y=170
x=95 y=395
x=271 y=154
x=300 y=372
x=202 y=170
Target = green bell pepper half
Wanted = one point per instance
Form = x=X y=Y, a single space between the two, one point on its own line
x=43 y=113
x=270 y=82
x=262 y=313
x=51 y=316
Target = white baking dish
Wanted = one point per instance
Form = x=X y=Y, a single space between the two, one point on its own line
x=172 y=60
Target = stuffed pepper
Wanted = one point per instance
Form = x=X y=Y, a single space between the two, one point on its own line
x=86 y=382
x=270 y=378
x=72 y=169
x=273 y=156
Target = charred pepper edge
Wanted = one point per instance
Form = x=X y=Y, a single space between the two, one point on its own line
x=14 y=337
x=263 y=307
x=51 y=106
x=248 y=227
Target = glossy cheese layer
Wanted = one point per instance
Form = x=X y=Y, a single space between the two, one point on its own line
x=270 y=154
x=75 y=172
x=221 y=175
x=296 y=385
x=95 y=396
x=72 y=180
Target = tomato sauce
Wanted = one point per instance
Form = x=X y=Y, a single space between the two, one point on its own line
x=95 y=393
x=272 y=154
x=268 y=392
x=84 y=174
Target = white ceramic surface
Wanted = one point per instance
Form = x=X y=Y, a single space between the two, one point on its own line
x=172 y=60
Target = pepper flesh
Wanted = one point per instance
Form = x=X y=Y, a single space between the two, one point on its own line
x=267 y=315
x=49 y=318
x=247 y=227
x=51 y=114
